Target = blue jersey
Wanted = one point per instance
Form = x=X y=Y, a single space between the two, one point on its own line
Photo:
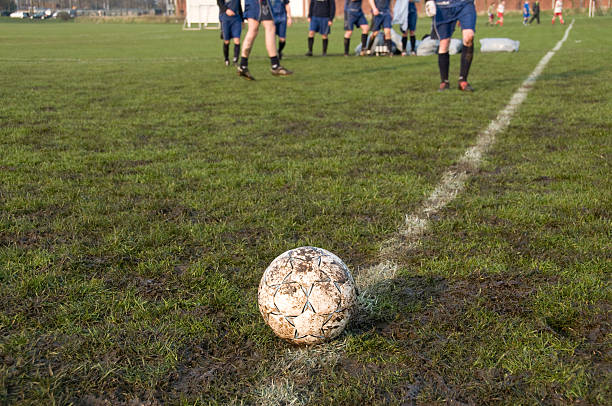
x=526 y=9
x=352 y=5
x=383 y=5
x=278 y=9
x=451 y=3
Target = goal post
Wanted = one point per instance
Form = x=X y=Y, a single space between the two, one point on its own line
x=201 y=13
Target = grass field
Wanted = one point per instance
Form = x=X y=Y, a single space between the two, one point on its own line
x=144 y=188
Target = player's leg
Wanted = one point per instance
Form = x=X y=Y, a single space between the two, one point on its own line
x=281 y=32
x=404 y=42
x=311 y=33
x=324 y=34
x=347 y=41
x=236 y=33
x=363 y=24
x=324 y=42
x=387 y=32
x=225 y=36
x=561 y=18
x=247 y=45
x=270 y=31
x=444 y=24
x=412 y=21
x=377 y=24
x=467 y=18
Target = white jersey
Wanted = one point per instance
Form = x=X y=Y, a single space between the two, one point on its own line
x=500 y=8
x=558 y=6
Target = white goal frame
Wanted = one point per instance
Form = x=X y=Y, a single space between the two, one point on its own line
x=201 y=13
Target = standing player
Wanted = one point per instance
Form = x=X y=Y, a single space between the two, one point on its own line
x=282 y=18
x=501 y=7
x=558 y=12
x=446 y=14
x=412 y=20
x=354 y=17
x=490 y=13
x=526 y=12
x=382 y=19
x=321 y=15
x=257 y=12
x=536 y=12
x=230 y=17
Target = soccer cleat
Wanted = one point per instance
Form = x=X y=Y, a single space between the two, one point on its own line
x=244 y=72
x=309 y=53
x=464 y=86
x=324 y=54
x=227 y=62
x=404 y=53
x=235 y=61
x=280 y=71
x=412 y=53
x=362 y=53
x=444 y=86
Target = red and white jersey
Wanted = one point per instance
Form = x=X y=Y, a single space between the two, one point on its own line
x=500 y=8
x=558 y=6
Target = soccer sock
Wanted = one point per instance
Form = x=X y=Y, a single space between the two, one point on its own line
x=274 y=61
x=347 y=44
x=443 y=64
x=281 y=46
x=412 y=43
x=364 y=41
x=236 y=51
x=372 y=39
x=244 y=62
x=325 y=46
x=226 y=51
x=404 y=43
x=310 y=42
x=466 y=61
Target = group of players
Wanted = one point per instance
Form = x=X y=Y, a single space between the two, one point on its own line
x=501 y=7
x=275 y=16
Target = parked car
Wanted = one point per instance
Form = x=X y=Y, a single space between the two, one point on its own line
x=20 y=14
x=39 y=15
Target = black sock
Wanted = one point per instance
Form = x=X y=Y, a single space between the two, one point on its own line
x=466 y=61
x=364 y=41
x=325 y=40
x=281 y=46
x=310 y=42
x=412 y=43
x=443 y=64
x=236 y=51
x=372 y=39
x=347 y=44
x=274 y=61
x=404 y=43
x=244 y=62
x=388 y=44
x=226 y=51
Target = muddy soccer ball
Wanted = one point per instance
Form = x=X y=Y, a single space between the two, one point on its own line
x=307 y=295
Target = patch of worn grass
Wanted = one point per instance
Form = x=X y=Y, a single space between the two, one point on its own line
x=145 y=188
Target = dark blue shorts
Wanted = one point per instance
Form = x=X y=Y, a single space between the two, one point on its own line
x=320 y=25
x=354 y=19
x=382 y=20
x=412 y=16
x=231 y=27
x=260 y=12
x=446 y=18
x=281 y=28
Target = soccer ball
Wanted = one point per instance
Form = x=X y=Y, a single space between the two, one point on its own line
x=307 y=295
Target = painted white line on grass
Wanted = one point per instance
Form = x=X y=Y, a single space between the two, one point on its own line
x=296 y=360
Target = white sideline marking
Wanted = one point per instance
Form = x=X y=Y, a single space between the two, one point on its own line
x=409 y=234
